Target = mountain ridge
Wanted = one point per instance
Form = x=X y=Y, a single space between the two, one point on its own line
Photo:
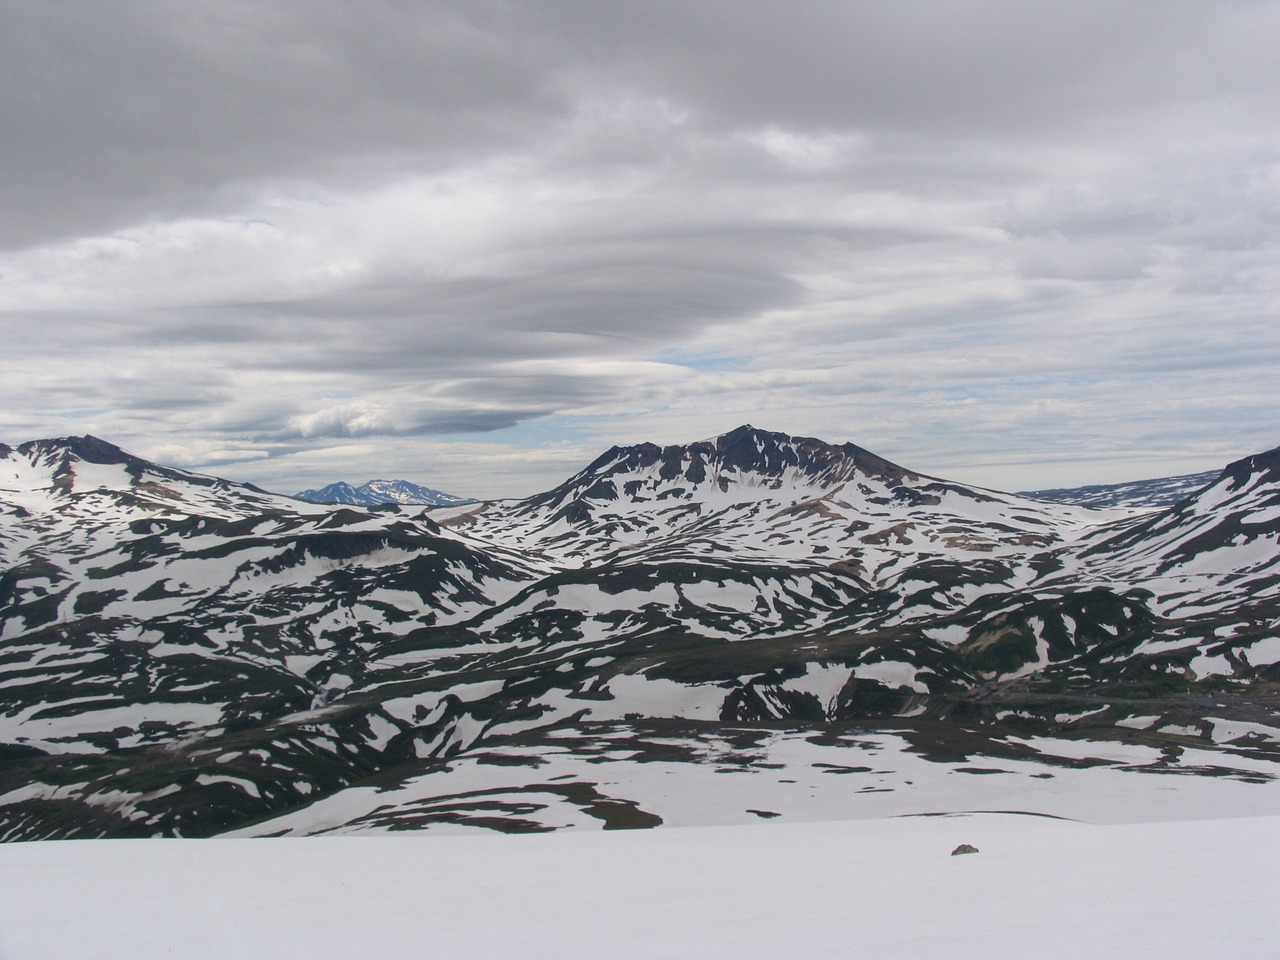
x=380 y=492
x=64 y=452
x=180 y=655
x=743 y=450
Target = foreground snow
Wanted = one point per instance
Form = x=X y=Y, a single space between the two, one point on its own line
x=1039 y=887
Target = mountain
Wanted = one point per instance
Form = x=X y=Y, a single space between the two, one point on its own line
x=377 y=492
x=1140 y=494
x=181 y=655
x=776 y=498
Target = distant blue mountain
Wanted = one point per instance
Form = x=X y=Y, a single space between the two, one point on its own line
x=377 y=492
x=1148 y=494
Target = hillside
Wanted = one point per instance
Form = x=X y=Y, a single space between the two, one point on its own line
x=181 y=655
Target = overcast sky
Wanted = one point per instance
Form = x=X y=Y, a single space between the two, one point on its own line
x=474 y=244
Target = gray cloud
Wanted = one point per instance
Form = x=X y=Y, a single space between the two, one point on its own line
x=145 y=109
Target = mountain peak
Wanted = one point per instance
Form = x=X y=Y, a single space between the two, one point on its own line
x=750 y=449
x=745 y=458
x=378 y=492
x=68 y=464
x=1266 y=464
x=88 y=448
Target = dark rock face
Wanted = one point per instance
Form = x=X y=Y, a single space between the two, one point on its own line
x=88 y=448
x=745 y=453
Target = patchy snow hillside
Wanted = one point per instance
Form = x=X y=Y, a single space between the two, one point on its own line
x=1037 y=887
x=181 y=655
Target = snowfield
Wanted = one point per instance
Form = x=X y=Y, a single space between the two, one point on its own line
x=1037 y=888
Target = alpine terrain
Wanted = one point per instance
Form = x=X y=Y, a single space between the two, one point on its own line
x=752 y=626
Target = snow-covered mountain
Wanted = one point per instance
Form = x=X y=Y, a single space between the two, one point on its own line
x=377 y=492
x=180 y=654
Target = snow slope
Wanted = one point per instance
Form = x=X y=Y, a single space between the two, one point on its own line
x=1038 y=888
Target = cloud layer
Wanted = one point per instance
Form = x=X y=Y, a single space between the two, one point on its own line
x=469 y=244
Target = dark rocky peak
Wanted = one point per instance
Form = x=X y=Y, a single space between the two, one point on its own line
x=745 y=455
x=1260 y=474
x=88 y=448
x=744 y=450
x=751 y=450
x=624 y=459
x=1264 y=465
x=62 y=453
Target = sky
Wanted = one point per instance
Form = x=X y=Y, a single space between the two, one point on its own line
x=473 y=245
